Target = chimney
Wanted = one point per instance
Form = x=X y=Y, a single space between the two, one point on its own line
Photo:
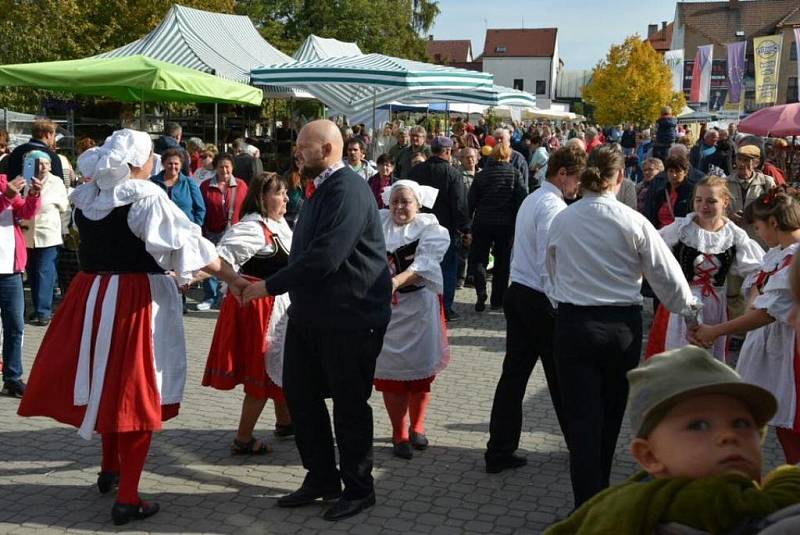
x=430 y=37
x=664 y=27
x=651 y=29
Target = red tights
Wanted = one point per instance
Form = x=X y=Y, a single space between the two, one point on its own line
x=125 y=453
x=790 y=442
x=415 y=404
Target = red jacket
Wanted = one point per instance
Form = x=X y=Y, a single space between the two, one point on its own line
x=21 y=208
x=774 y=171
x=217 y=206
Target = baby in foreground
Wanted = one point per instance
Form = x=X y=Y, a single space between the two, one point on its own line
x=698 y=439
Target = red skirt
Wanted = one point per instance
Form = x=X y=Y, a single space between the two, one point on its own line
x=130 y=400
x=657 y=340
x=401 y=387
x=237 y=351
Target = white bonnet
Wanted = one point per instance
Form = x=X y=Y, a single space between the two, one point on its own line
x=426 y=195
x=107 y=165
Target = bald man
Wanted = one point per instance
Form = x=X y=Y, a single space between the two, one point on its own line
x=340 y=288
x=518 y=161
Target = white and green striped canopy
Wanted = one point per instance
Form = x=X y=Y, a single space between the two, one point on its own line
x=497 y=95
x=321 y=47
x=356 y=83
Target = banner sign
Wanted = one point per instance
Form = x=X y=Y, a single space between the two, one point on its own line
x=701 y=74
x=767 y=56
x=736 y=70
x=674 y=60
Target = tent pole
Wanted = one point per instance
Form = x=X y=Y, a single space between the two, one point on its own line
x=216 y=124
x=374 y=126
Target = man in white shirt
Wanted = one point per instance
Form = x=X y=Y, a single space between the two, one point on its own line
x=356 y=158
x=529 y=313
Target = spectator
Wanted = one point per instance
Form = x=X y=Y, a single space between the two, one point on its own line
x=450 y=209
x=295 y=192
x=403 y=140
x=666 y=134
x=538 y=167
x=356 y=153
x=180 y=188
x=651 y=168
x=171 y=139
x=656 y=193
x=518 y=161
x=403 y=161
x=469 y=168
x=206 y=169
x=194 y=146
x=43 y=138
x=706 y=154
x=43 y=239
x=245 y=165
x=223 y=195
x=628 y=140
x=671 y=198
x=592 y=139
x=382 y=179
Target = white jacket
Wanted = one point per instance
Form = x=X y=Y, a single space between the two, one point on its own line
x=44 y=230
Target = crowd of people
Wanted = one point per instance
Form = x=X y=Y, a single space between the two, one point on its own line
x=339 y=277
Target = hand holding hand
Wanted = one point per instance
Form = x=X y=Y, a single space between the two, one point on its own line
x=253 y=291
x=395 y=285
x=703 y=336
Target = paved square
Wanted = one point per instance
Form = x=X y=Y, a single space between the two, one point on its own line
x=48 y=474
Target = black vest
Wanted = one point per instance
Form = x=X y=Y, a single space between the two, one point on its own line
x=108 y=245
x=263 y=265
x=687 y=256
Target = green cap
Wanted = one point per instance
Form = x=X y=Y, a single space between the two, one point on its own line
x=673 y=376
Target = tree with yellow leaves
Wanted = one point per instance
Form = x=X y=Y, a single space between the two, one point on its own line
x=631 y=84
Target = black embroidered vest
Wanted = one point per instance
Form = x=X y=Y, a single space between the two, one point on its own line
x=695 y=264
x=262 y=265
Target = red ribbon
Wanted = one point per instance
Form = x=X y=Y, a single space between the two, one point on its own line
x=704 y=278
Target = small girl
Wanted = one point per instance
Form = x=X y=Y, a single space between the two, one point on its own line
x=768 y=357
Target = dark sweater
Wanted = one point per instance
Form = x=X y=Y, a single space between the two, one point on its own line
x=450 y=207
x=18 y=154
x=337 y=277
x=496 y=194
x=657 y=195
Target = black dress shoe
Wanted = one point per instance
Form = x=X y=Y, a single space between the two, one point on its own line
x=308 y=495
x=14 y=389
x=123 y=513
x=107 y=481
x=502 y=463
x=345 y=508
x=480 y=304
x=419 y=441
x=402 y=450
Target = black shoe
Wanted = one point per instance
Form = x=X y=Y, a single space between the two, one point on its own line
x=14 y=389
x=496 y=466
x=402 y=450
x=107 y=481
x=345 y=508
x=41 y=322
x=283 y=431
x=122 y=513
x=451 y=315
x=496 y=307
x=308 y=495
x=419 y=441
x=480 y=304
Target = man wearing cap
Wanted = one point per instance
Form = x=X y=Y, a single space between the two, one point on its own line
x=450 y=209
x=698 y=431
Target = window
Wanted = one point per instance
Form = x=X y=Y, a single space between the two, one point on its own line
x=793 y=52
x=500 y=49
x=541 y=87
x=519 y=84
x=791 y=90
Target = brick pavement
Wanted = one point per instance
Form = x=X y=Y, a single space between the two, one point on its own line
x=48 y=474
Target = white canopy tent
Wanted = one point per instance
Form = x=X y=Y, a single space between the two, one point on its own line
x=321 y=48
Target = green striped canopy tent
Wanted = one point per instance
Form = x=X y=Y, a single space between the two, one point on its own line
x=322 y=47
x=497 y=95
x=354 y=84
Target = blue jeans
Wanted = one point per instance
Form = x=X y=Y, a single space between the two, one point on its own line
x=12 y=306
x=211 y=290
x=42 y=277
x=449 y=267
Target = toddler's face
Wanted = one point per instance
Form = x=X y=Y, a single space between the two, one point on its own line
x=703 y=436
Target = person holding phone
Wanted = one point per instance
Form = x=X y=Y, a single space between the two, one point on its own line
x=43 y=235
x=13 y=257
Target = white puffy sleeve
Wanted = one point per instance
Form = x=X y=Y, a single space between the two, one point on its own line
x=749 y=256
x=434 y=241
x=777 y=298
x=672 y=232
x=242 y=241
x=172 y=240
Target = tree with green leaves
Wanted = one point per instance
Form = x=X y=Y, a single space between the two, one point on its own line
x=631 y=84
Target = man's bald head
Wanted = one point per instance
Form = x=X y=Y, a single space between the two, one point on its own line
x=319 y=146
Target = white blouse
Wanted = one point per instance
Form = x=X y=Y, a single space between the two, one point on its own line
x=44 y=230
x=597 y=251
x=434 y=240
x=173 y=241
x=246 y=238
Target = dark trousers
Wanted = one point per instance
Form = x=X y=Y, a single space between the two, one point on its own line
x=530 y=322
x=340 y=365
x=12 y=314
x=594 y=349
x=486 y=238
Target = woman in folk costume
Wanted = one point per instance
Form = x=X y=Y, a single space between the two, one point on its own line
x=708 y=246
x=114 y=358
x=770 y=356
x=248 y=340
x=415 y=346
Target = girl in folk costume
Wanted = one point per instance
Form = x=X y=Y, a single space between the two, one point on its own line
x=248 y=340
x=114 y=358
x=769 y=356
x=708 y=246
x=415 y=346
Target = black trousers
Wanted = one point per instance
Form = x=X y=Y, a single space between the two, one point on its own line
x=340 y=365
x=486 y=238
x=594 y=349
x=530 y=324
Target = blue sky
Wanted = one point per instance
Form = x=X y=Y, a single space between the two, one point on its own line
x=586 y=28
